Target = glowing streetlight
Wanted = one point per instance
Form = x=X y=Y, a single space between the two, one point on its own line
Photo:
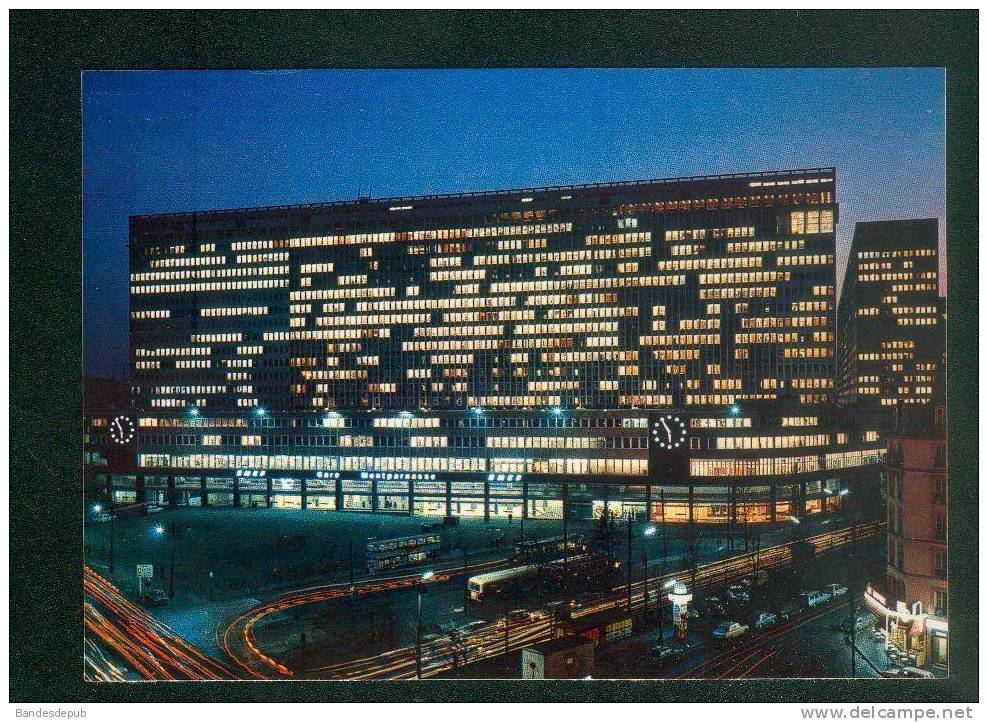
x=734 y=409
x=97 y=508
x=477 y=411
x=426 y=576
x=261 y=411
x=193 y=411
x=794 y=520
x=845 y=492
x=159 y=530
x=556 y=411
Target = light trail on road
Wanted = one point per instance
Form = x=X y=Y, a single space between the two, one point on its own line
x=146 y=645
x=444 y=655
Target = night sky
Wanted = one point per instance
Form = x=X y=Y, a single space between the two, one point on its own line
x=174 y=141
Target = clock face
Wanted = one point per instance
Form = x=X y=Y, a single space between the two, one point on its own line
x=122 y=429
x=669 y=432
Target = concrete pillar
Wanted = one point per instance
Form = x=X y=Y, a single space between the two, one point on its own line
x=487 y=501
x=411 y=497
x=109 y=488
x=304 y=492
x=524 y=500
x=339 y=494
x=203 y=495
x=172 y=496
x=449 y=498
x=648 y=502
x=374 y=500
x=139 y=489
x=236 y=491
x=689 y=504
x=771 y=501
x=268 y=493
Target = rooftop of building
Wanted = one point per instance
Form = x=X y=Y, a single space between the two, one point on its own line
x=762 y=178
x=896 y=232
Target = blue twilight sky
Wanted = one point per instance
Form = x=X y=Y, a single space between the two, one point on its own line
x=170 y=141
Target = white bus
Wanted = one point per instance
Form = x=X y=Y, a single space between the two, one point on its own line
x=493 y=583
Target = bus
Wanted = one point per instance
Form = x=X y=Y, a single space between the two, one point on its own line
x=542 y=550
x=489 y=584
x=401 y=551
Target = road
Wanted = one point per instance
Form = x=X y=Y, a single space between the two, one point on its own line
x=139 y=641
x=491 y=639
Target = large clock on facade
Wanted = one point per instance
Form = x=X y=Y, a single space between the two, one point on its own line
x=122 y=429
x=669 y=432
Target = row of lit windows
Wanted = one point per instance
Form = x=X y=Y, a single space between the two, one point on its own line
x=782 y=466
x=208 y=273
x=615 y=467
x=234 y=311
x=907 y=253
x=771 y=442
x=765 y=246
x=194 y=261
x=376 y=292
x=216 y=337
x=180 y=351
x=617 y=238
x=724 y=294
x=805 y=260
x=586 y=284
x=788 y=322
x=695 y=264
x=206 y=287
x=707 y=279
x=160 y=313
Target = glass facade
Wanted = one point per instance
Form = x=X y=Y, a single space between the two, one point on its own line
x=499 y=353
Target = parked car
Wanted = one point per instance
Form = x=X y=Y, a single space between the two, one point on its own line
x=713 y=605
x=860 y=623
x=916 y=673
x=765 y=620
x=155 y=597
x=737 y=594
x=814 y=598
x=729 y=630
x=836 y=590
x=519 y=615
x=788 y=610
x=667 y=655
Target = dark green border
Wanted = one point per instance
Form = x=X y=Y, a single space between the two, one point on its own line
x=48 y=51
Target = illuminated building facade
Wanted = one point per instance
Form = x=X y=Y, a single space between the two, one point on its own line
x=617 y=346
x=913 y=600
x=891 y=315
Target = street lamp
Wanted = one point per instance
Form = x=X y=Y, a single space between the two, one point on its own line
x=97 y=508
x=556 y=411
x=427 y=576
x=648 y=532
x=477 y=411
x=734 y=409
x=159 y=531
x=193 y=411
x=261 y=411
